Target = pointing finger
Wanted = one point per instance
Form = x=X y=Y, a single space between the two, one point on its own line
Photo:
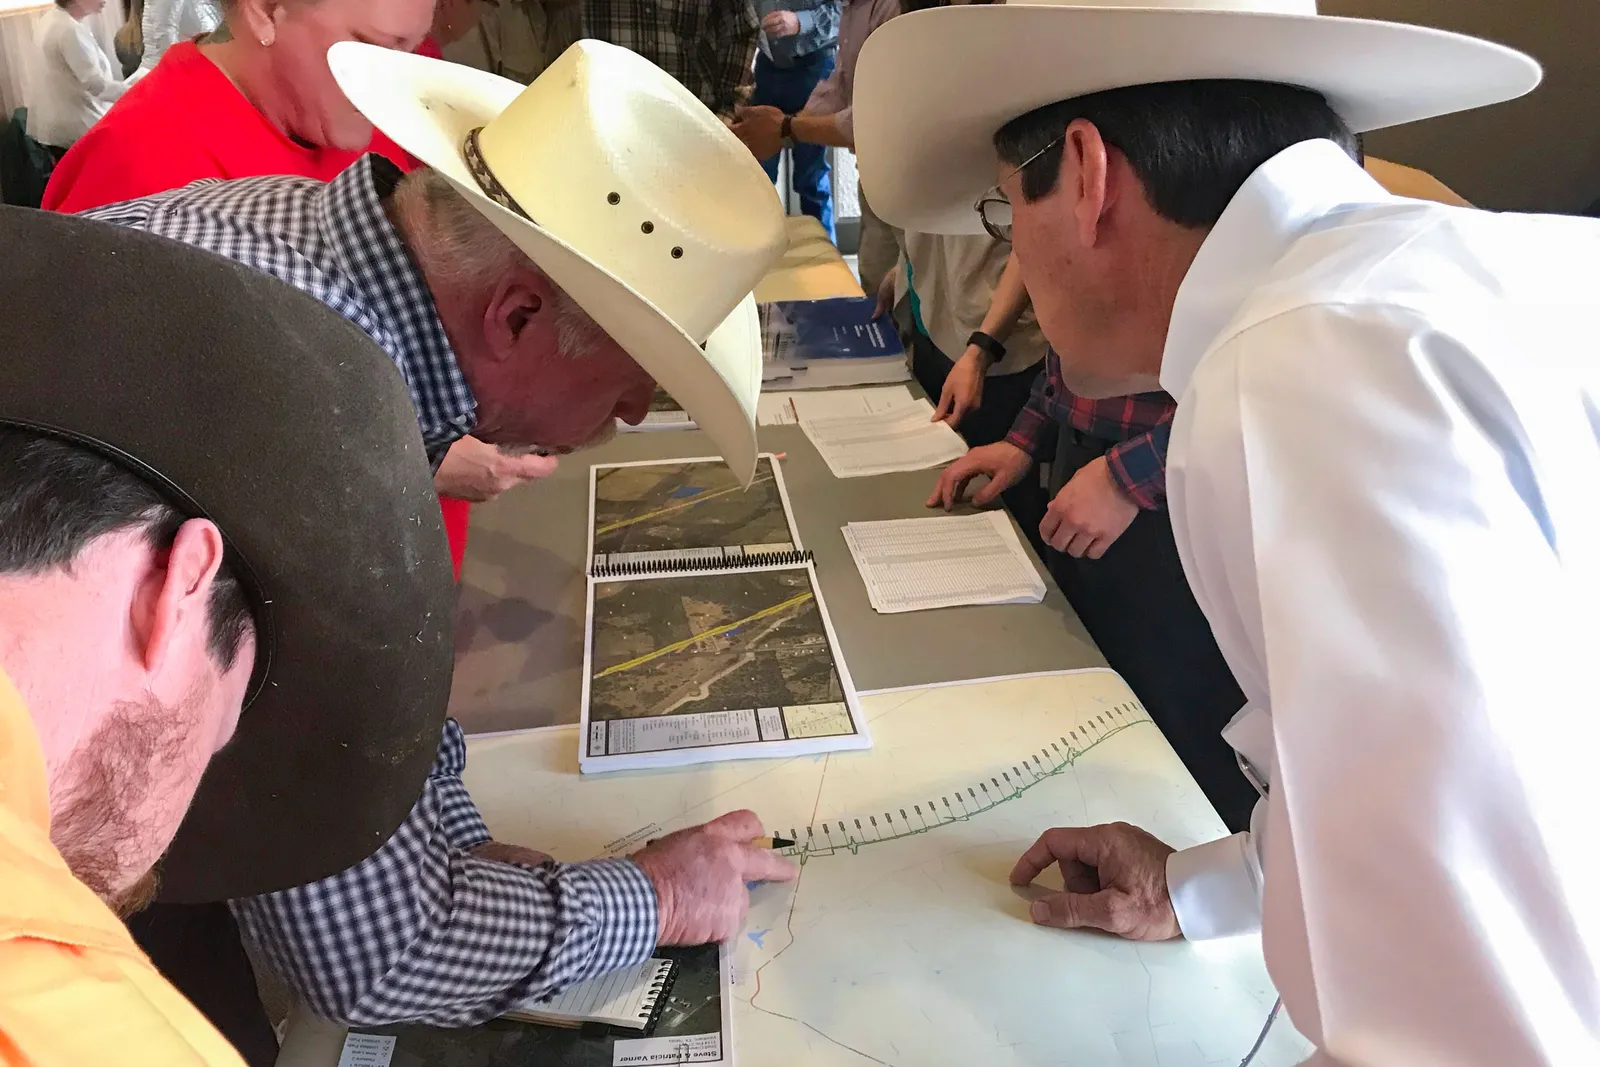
x=764 y=865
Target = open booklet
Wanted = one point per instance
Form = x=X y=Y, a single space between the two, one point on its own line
x=707 y=637
x=689 y=1020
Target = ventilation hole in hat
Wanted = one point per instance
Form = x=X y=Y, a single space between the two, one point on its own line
x=613 y=199
x=677 y=253
x=648 y=227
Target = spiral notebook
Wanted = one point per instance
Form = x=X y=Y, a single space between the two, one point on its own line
x=631 y=998
x=707 y=637
x=687 y=1006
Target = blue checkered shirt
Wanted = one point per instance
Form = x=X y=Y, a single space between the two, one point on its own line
x=335 y=243
x=424 y=931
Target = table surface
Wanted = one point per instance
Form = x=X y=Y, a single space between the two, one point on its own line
x=520 y=621
x=902 y=942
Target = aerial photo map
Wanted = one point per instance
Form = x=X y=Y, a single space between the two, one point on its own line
x=725 y=658
x=695 y=504
x=689 y=1030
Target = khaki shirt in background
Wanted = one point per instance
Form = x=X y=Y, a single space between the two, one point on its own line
x=1412 y=183
x=954 y=276
x=517 y=39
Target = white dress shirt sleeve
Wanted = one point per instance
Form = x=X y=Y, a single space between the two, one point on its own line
x=1216 y=887
x=1427 y=844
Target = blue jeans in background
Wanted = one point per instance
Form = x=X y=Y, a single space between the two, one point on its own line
x=788 y=89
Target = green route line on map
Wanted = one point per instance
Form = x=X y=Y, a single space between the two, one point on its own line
x=853 y=833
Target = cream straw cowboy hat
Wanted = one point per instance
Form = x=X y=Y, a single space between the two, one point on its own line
x=622 y=188
x=933 y=87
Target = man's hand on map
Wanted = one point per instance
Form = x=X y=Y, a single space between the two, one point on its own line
x=701 y=874
x=1115 y=877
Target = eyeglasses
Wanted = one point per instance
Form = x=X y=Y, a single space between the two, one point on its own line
x=994 y=210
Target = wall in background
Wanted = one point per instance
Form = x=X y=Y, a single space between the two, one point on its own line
x=1541 y=153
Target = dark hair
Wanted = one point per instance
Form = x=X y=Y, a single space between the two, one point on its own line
x=1192 y=143
x=57 y=497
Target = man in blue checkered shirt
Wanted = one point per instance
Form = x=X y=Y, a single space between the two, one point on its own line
x=441 y=924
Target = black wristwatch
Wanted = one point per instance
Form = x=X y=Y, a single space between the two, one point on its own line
x=989 y=346
x=786 y=130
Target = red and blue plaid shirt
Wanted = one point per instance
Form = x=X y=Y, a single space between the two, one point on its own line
x=1140 y=424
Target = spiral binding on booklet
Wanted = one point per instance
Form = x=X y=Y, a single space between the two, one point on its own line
x=660 y=990
x=743 y=561
x=592 y=1006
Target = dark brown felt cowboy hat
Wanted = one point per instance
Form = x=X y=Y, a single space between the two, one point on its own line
x=251 y=404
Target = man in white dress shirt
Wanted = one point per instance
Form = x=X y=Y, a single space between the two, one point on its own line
x=1384 y=478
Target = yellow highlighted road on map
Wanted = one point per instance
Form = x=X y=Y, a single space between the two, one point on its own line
x=679 y=646
x=675 y=507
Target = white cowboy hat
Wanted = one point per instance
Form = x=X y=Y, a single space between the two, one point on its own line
x=622 y=188
x=933 y=87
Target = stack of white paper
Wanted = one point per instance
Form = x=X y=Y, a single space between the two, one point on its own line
x=915 y=564
x=900 y=438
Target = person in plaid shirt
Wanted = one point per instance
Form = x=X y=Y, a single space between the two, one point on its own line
x=707 y=45
x=1110 y=548
x=1099 y=502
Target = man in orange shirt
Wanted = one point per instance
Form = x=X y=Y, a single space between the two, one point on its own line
x=162 y=592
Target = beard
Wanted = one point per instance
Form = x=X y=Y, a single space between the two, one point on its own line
x=108 y=822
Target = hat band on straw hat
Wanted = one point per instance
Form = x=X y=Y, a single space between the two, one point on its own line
x=483 y=174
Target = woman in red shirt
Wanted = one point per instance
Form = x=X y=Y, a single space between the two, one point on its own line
x=255 y=98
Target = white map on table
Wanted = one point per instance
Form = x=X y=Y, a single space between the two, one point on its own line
x=902 y=943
